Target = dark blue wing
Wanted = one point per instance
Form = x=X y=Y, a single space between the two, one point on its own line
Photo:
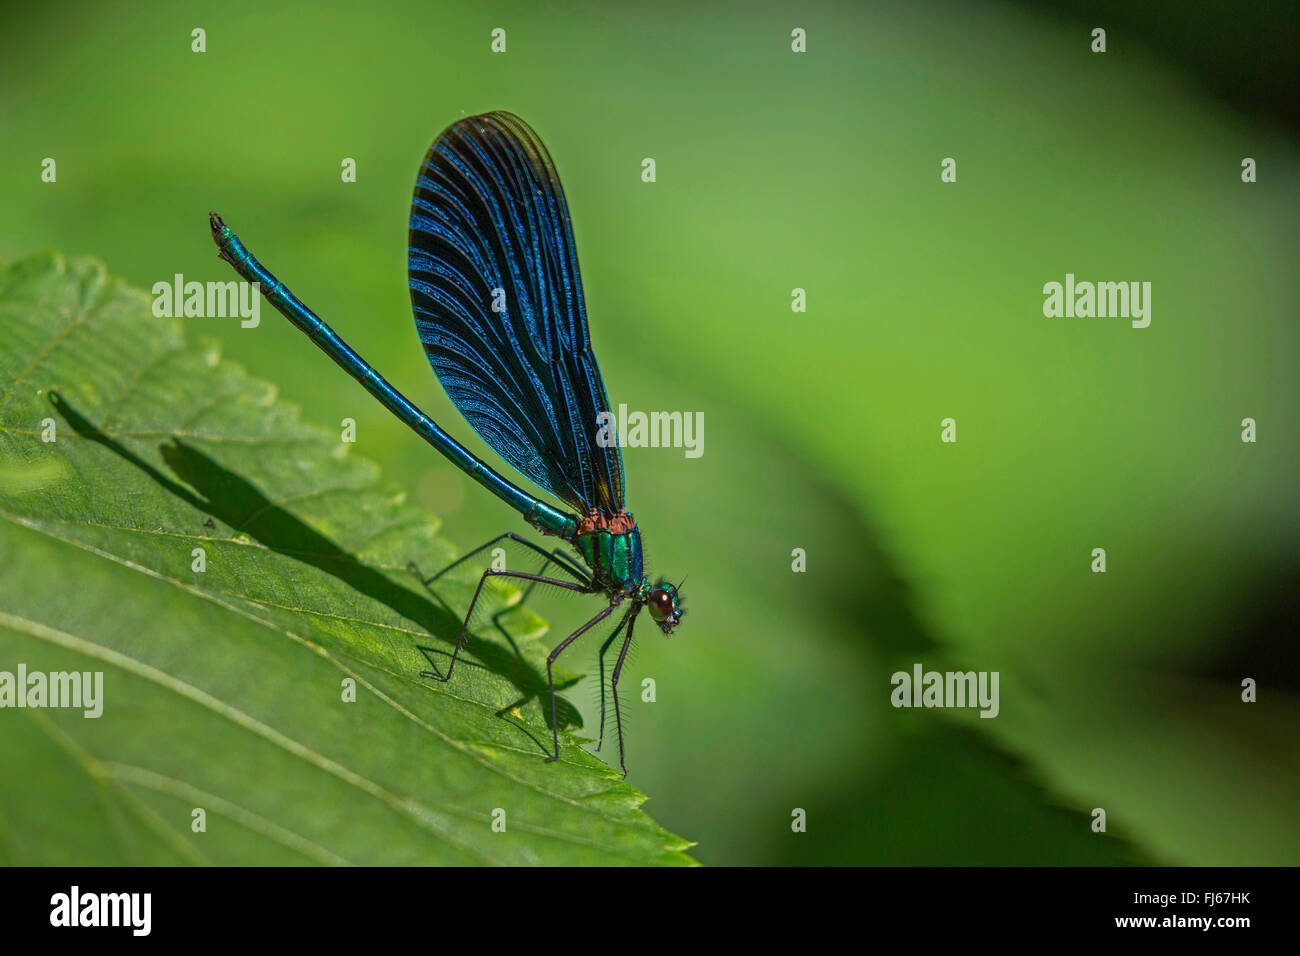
x=498 y=304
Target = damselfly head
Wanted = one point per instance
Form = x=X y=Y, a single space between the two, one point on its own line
x=665 y=606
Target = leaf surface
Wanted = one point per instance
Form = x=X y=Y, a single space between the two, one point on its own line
x=227 y=689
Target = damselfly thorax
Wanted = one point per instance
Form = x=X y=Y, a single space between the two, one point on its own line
x=611 y=547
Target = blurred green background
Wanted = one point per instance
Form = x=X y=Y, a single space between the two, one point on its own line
x=818 y=171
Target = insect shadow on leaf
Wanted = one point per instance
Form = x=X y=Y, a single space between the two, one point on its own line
x=220 y=493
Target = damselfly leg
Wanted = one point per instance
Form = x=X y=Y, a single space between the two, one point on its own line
x=493 y=573
x=618 y=715
x=600 y=658
x=556 y=556
x=550 y=660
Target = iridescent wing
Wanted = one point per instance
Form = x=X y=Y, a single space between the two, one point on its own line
x=498 y=305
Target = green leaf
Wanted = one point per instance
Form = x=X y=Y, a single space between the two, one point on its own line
x=225 y=689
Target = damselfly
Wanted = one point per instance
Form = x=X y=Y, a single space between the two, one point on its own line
x=499 y=308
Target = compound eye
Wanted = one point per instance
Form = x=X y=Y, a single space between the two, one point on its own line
x=661 y=604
